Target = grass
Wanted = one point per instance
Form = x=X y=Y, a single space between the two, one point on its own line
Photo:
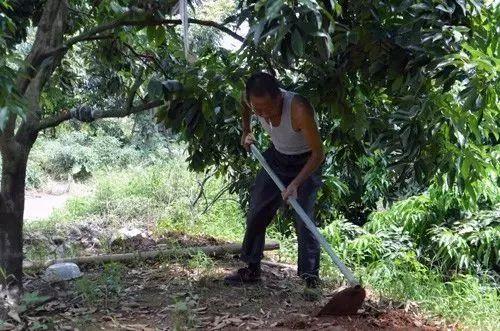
x=471 y=300
x=104 y=290
x=164 y=195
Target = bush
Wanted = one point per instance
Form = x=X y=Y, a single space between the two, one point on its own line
x=471 y=300
x=81 y=154
x=445 y=239
x=34 y=176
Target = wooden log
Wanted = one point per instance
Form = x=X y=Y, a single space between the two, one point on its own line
x=279 y=265
x=217 y=250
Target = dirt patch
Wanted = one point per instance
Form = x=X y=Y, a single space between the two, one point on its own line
x=186 y=295
x=392 y=320
x=41 y=205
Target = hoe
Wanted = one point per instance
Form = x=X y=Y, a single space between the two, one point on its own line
x=346 y=300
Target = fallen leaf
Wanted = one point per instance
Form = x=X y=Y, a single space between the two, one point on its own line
x=4 y=326
x=219 y=326
x=14 y=315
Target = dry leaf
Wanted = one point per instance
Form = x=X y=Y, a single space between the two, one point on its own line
x=4 y=326
x=219 y=326
x=14 y=315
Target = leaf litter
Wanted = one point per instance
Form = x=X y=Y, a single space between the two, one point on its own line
x=172 y=294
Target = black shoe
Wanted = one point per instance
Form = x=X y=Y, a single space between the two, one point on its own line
x=312 y=291
x=243 y=276
x=312 y=282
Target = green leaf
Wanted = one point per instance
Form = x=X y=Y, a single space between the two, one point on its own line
x=116 y=8
x=465 y=167
x=461 y=3
x=472 y=192
x=443 y=8
x=273 y=8
x=151 y=33
x=160 y=35
x=420 y=6
x=208 y=110
x=297 y=43
x=4 y=112
x=396 y=85
x=258 y=31
x=313 y=5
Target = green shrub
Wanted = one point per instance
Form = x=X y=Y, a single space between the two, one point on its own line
x=444 y=237
x=81 y=154
x=34 y=176
x=471 y=300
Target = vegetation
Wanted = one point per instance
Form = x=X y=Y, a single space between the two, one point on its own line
x=407 y=97
x=392 y=253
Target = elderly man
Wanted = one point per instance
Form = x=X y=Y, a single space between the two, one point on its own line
x=295 y=156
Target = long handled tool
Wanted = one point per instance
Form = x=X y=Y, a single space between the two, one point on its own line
x=345 y=301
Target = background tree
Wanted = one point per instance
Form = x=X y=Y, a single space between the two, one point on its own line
x=121 y=45
x=406 y=91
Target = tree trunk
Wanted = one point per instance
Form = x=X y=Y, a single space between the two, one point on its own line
x=11 y=247
x=14 y=163
x=15 y=145
x=11 y=217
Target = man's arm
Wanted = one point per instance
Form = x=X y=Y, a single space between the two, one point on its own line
x=247 y=137
x=303 y=120
x=246 y=114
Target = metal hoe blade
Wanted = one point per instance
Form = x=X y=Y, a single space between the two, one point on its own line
x=345 y=301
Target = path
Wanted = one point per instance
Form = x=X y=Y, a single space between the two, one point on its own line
x=39 y=205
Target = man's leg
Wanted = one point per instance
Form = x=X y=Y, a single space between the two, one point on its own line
x=265 y=200
x=308 y=246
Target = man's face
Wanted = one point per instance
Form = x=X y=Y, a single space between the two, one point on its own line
x=266 y=106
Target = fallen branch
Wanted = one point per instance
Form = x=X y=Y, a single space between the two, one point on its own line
x=179 y=252
x=279 y=265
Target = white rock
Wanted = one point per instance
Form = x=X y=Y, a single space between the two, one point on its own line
x=62 y=271
x=124 y=234
x=130 y=233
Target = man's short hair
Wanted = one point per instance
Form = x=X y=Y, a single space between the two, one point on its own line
x=261 y=84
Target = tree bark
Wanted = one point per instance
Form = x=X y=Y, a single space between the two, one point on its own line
x=11 y=216
x=11 y=247
x=15 y=145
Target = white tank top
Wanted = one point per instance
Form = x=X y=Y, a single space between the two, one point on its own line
x=285 y=139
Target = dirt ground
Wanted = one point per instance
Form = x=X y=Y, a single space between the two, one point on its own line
x=177 y=295
x=39 y=204
x=187 y=293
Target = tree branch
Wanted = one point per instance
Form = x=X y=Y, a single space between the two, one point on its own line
x=92 y=34
x=202 y=189
x=217 y=197
x=134 y=88
x=141 y=57
x=50 y=122
x=65 y=115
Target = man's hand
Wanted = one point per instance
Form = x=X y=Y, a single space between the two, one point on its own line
x=247 y=139
x=290 y=191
